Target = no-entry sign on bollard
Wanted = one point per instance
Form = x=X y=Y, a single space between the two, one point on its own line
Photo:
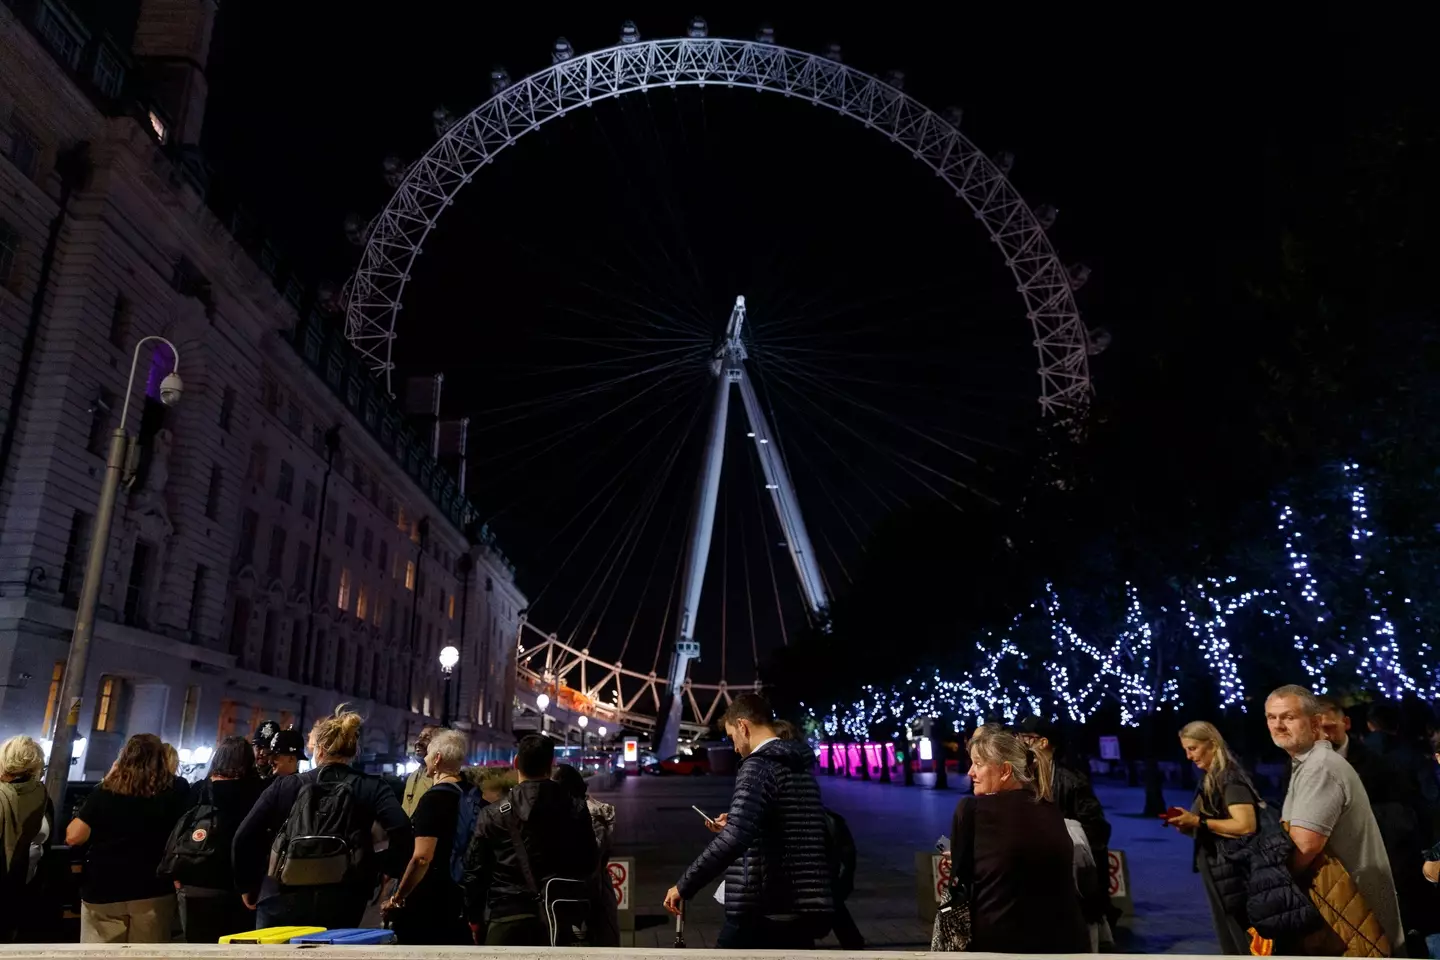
x=932 y=875
x=1119 y=876
x=622 y=879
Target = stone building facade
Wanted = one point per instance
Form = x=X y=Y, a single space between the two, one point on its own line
x=286 y=541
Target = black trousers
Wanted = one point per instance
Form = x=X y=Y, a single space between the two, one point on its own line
x=334 y=908
x=766 y=933
x=207 y=915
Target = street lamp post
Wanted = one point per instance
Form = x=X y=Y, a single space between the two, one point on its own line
x=449 y=656
x=72 y=682
x=584 y=722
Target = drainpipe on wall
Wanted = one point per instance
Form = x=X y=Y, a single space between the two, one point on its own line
x=73 y=166
x=332 y=444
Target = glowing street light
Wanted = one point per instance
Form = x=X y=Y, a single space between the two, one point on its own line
x=542 y=702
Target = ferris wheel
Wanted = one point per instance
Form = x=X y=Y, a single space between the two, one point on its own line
x=394 y=240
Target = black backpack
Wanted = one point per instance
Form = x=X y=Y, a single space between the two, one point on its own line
x=326 y=838
x=198 y=851
x=840 y=850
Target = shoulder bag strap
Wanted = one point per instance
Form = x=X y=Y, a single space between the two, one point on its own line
x=512 y=823
x=965 y=869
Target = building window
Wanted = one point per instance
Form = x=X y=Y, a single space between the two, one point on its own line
x=293 y=418
x=331 y=512
x=269 y=642
x=451 y=606
x=382 y=556
x=120 y=320
x=342 y=598
x=275 y=566
x=197 y=598
x=269 y=395
x=402 y=520
x=285 y=489
x=297 y=647
x=308 y=500
x=57 y=674
x=367 y=544
x=137 y=588
x=61 y=34
x=349 y=529
x=379 y=618
x=72 y=570
x=100 y=409
x=323 y=586
x=227 y=408
x=158 y=126
x=362 y=603
x=249 y=526
x=239 y=626
x=409 y=574
x=109 y=72
x=212 y=494
x=259 y=463
x=105 y=708
x=24 y=149
x=302 y=567
x=9 y=250
x=317 y=440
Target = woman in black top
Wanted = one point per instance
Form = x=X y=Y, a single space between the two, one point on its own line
x=334 y=742
x=1023 y=897
x=1225 y=807
x=126 y=822
x=427 y=907
x=210 y=905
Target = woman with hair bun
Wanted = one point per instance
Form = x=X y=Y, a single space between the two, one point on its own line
x=23 y=810
x=263 y=855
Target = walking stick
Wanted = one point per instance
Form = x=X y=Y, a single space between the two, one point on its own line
x=680 y=927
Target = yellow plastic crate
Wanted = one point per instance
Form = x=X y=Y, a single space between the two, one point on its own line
x=270 y=935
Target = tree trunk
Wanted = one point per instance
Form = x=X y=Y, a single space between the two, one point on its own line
x=909 y=770
x=884 y=765
x=864 y=764
x=1154 y=784
x=942 y=775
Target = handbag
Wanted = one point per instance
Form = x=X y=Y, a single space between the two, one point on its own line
x=953 y=928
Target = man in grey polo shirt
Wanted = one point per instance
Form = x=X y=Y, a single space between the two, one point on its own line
x=1327 y=808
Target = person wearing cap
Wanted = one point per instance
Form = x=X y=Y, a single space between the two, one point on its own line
x=287 y=749
x=261 y=745
x=1070 y=790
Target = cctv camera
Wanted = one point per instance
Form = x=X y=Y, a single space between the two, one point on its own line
x=170 y=390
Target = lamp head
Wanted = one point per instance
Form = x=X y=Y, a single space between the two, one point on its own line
x=449 y=656
x=584 y=722
x=170 y=389
x=542 y=701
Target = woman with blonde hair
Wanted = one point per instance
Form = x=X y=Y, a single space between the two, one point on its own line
x=1015 y=855
x=126 y=823
x=22 y=818
x=1225 y=808
x=283 y=896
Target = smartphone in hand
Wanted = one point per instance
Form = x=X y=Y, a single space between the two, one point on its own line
x=708 y=820
x=1172 y=813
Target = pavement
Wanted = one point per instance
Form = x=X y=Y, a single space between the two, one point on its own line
x=656 y=825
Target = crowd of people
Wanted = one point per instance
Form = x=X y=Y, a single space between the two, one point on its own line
x=453 y=856
x=447 y=856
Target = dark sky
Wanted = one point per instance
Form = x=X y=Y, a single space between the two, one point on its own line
x=571 y=293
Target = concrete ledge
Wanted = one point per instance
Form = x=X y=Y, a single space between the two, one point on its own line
x=172 y=951
x=179 y=950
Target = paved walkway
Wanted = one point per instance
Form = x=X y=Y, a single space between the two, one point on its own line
x=657 y=827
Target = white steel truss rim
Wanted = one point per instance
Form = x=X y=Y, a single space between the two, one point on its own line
x=395 y=238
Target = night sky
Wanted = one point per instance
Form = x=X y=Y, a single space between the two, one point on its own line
x=571 y=294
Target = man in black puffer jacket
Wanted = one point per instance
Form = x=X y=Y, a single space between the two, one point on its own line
x=771 y=845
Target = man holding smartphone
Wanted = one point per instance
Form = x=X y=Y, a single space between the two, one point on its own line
x=770 y=846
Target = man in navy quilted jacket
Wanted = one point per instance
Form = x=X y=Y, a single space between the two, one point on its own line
x=770 y=846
